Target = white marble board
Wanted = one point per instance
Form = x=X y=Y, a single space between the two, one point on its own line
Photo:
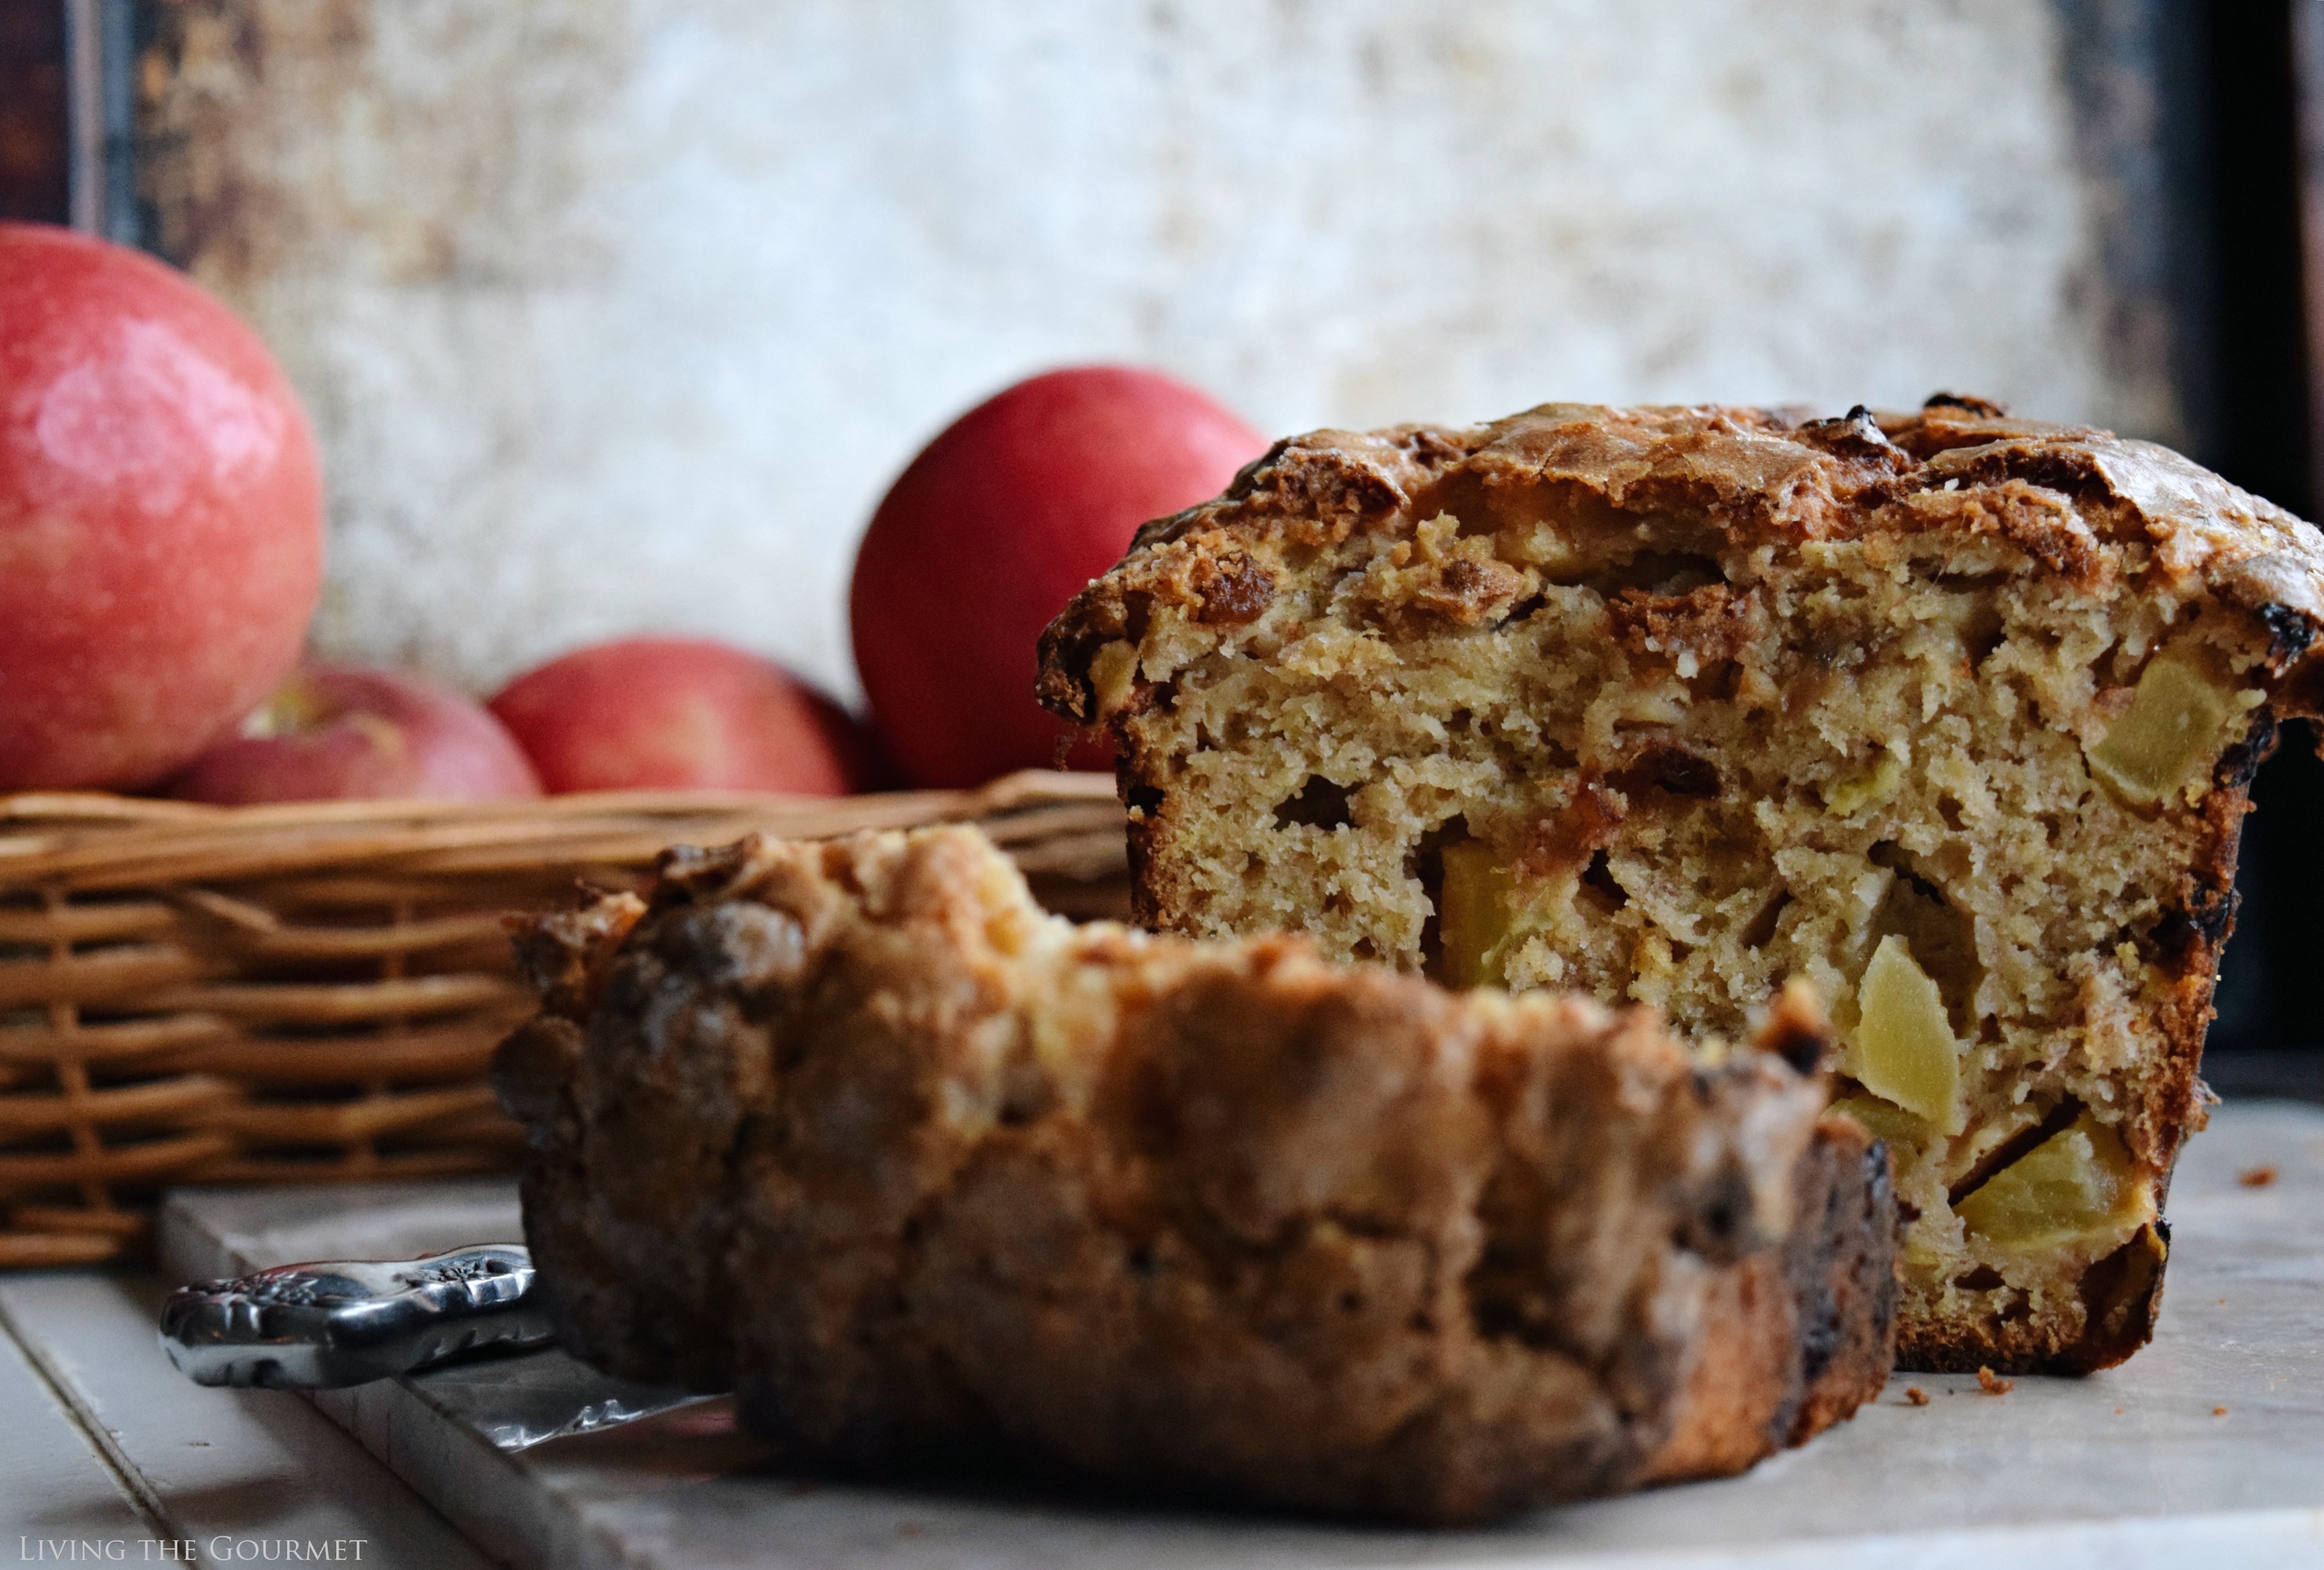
x=2207 y=1448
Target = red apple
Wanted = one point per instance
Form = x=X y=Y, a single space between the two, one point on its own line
x=1000 y=520
x=161 y=515
x=673 y=714
x=335 y=733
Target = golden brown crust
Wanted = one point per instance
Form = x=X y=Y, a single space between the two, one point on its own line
x=2124 y=1292
x=927 y=1174
x=1829 y=1301
x=1751 y=474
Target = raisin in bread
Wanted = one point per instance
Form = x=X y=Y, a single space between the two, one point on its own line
x=926 y=1173
x=1950 y=714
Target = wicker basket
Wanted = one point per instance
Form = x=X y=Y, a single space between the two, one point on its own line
x=301 y=993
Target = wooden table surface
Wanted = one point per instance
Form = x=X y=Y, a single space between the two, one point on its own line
x=104 y=1444
x=106 y=1454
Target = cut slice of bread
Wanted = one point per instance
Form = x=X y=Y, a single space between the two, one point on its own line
x=1950 y=714
x=931 y=1175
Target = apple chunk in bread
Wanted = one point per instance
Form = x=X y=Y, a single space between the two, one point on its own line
x=1952 y=715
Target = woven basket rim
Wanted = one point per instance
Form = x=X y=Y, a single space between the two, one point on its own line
x=77 y=837
x=105 y=807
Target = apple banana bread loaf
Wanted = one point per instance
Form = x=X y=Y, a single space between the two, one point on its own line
x=1950 y=714
x=925 y=1173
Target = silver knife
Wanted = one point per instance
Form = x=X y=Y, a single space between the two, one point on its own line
x=325 y=1326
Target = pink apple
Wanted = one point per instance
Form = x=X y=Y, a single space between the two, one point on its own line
x=1000 y=520
x=643 y=714
x=161 y=515
x=338 y=732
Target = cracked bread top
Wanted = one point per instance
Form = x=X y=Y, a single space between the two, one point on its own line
x=2084 y=503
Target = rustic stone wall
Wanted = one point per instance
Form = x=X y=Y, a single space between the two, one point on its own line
x=619 y=314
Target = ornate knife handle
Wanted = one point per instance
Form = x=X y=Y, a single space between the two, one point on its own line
x=324 y=1325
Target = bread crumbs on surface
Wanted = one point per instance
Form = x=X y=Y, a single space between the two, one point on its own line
x=1993 y=1384
x=2218 y=1411
x=2256 y=1176
x=1916 y=1395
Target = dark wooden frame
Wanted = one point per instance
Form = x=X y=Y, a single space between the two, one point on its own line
x=35 y=155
